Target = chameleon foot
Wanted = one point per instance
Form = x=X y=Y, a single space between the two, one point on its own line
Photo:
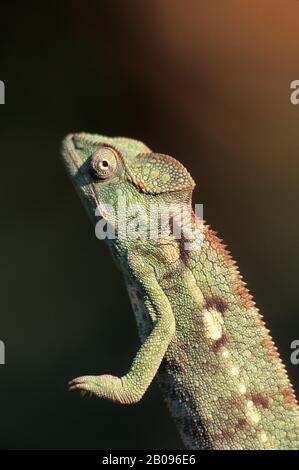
x=104 y=386
x=120 y=390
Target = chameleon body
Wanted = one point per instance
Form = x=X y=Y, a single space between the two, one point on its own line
x=201 y=333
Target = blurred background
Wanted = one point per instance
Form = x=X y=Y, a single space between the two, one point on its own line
x=205 y=81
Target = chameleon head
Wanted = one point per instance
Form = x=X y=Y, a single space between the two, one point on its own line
x=105 y=170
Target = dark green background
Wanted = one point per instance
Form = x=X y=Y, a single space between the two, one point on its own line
x=206 y=83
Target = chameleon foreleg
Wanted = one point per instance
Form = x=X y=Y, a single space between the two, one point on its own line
x=131 y=387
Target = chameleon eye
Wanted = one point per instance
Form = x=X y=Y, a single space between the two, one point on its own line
x=103 y=163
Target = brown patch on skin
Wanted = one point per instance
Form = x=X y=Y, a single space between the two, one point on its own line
x=167 y=276
x=241 y=424
x=174 y=289
x=258 y=399
x=227 y=435
x=219 y=343
x=216 y=303
x=224 y=435
x=197 y=322
x=185 y=254
x=159 y=255
x=289 y=395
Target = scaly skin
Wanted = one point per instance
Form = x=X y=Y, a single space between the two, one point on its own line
x=201 y=333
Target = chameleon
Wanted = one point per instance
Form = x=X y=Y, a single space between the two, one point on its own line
x=201 y=332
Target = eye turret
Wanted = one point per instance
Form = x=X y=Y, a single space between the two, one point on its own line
x=103 y=163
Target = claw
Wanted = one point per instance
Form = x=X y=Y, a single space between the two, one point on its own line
x=84 y=384
x=99 y=385
x=79 y=380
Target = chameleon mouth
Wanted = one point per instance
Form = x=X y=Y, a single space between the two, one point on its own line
x=70 y=157
x=79 y=171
